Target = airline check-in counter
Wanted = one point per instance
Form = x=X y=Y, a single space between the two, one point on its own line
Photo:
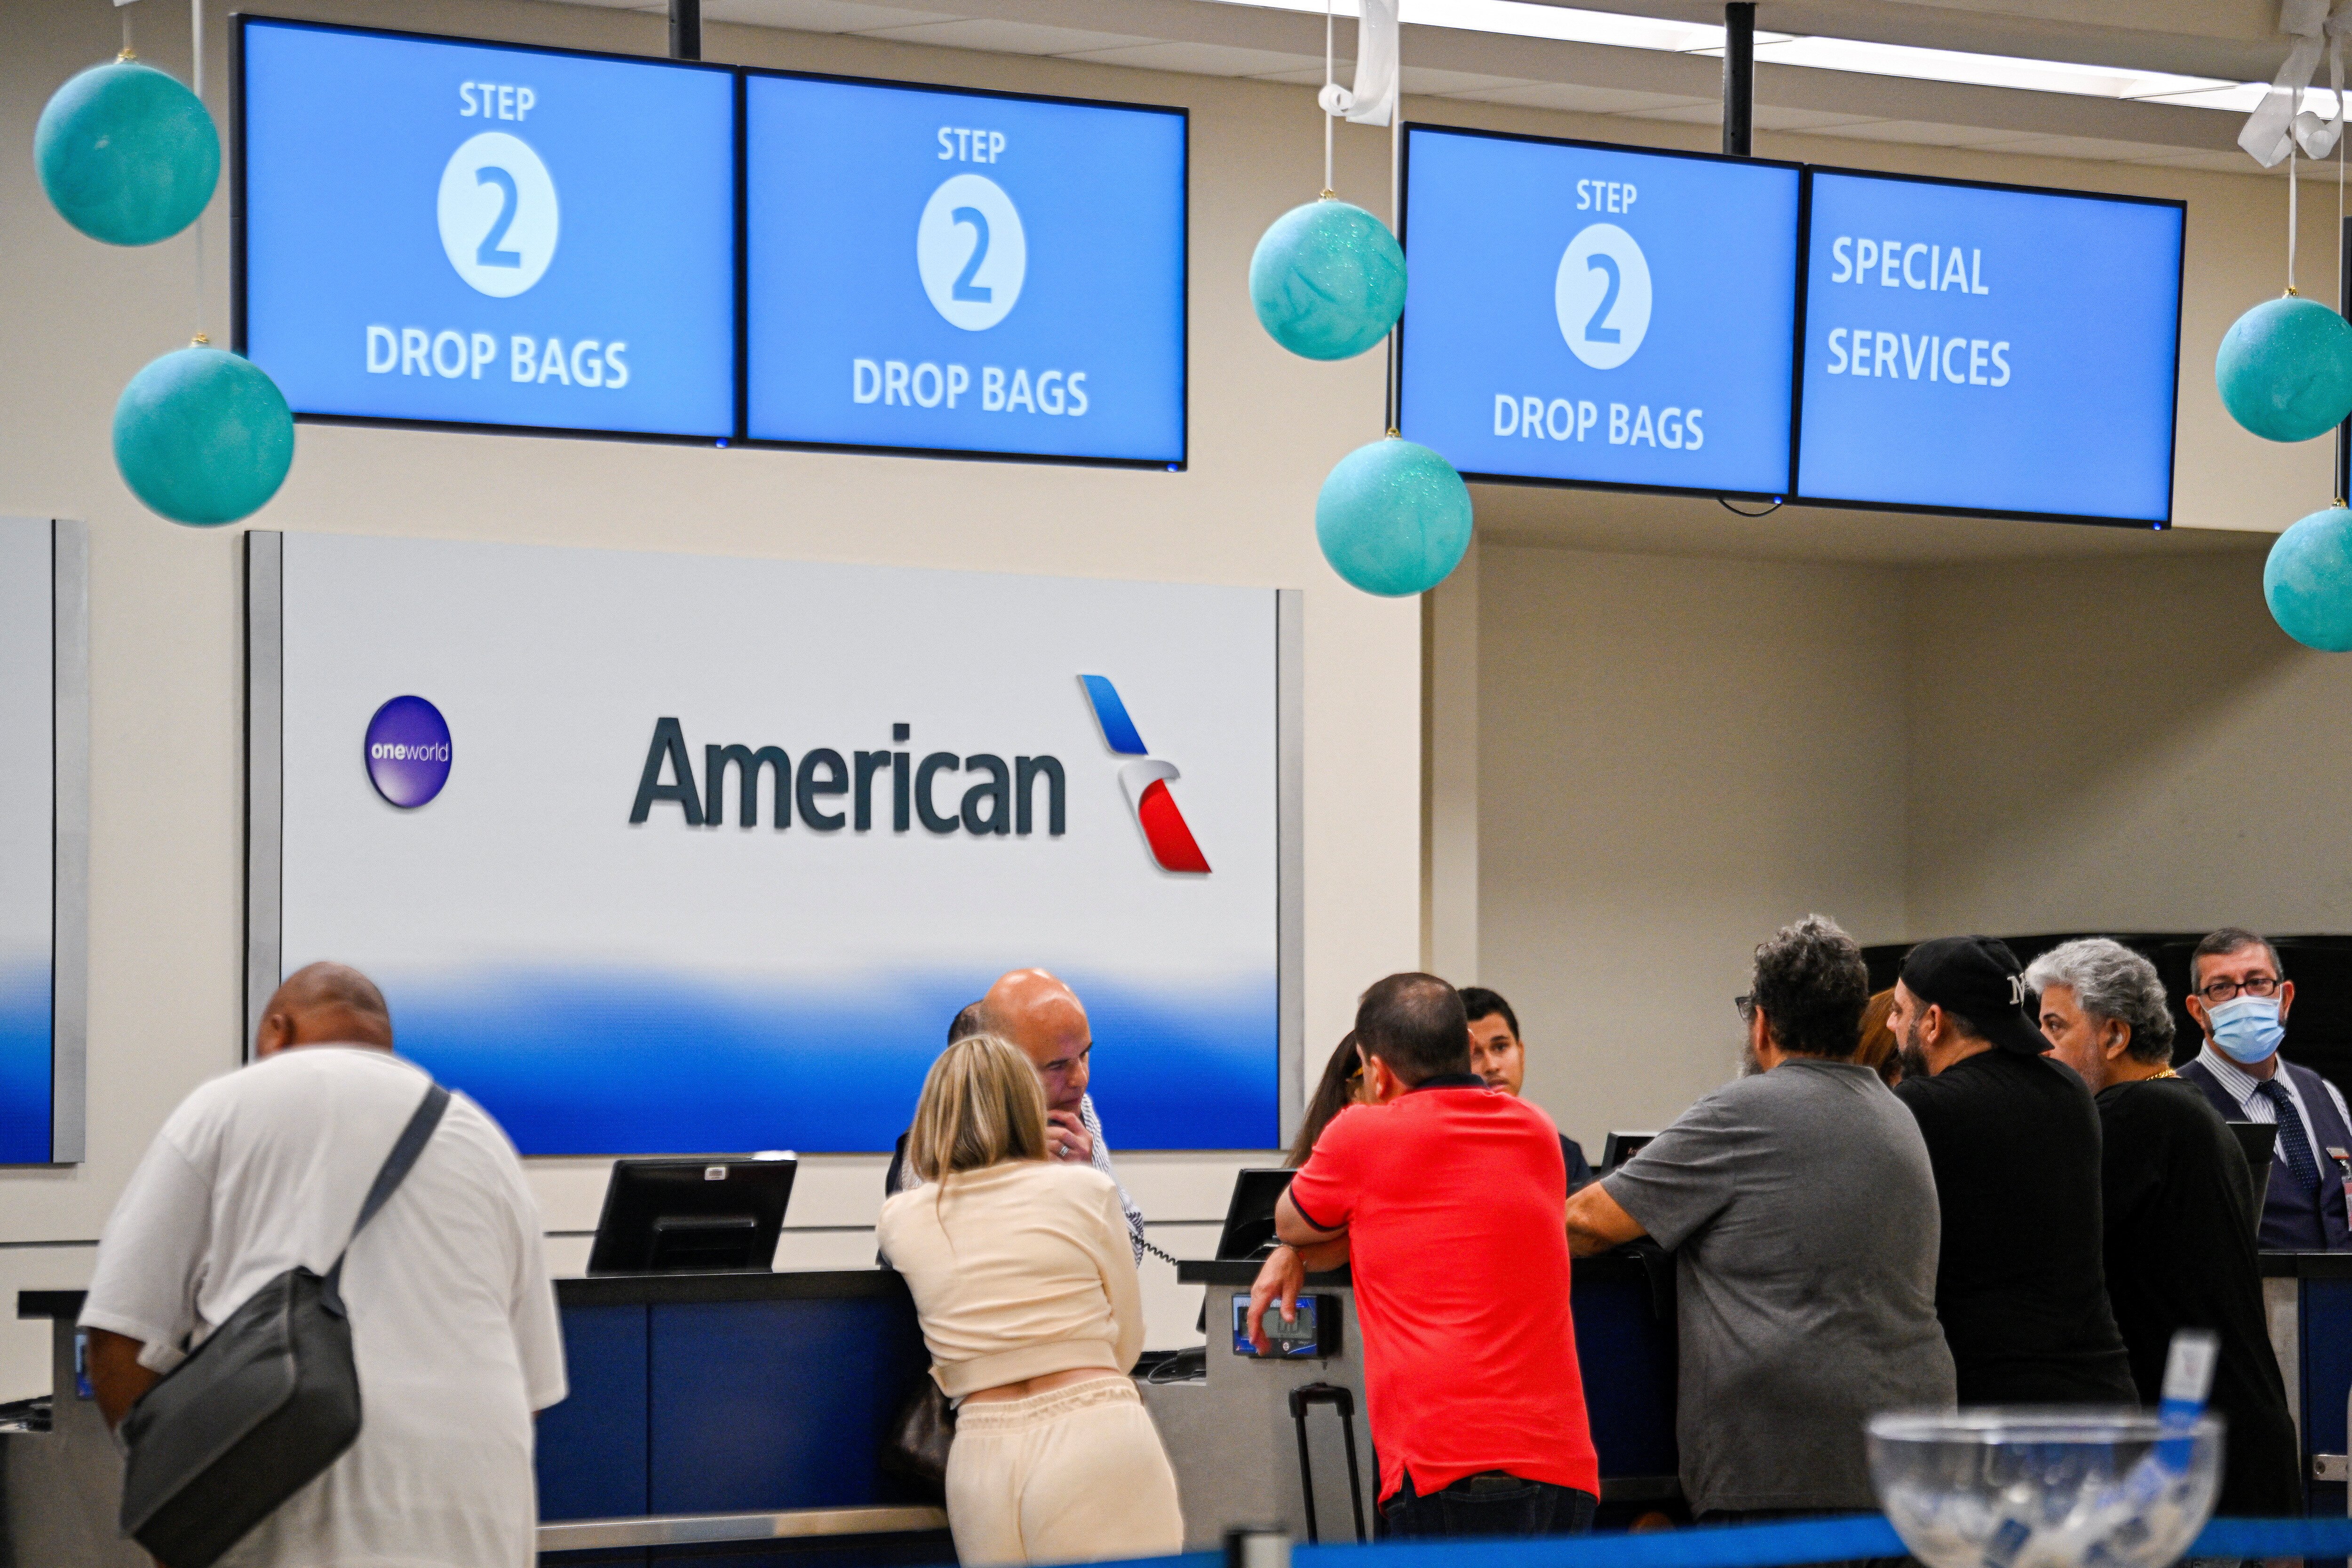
x=2308 y=1296
x=710 y=1413
x=743 y=1415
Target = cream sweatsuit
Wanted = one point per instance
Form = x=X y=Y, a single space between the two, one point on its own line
x=1018 y=1271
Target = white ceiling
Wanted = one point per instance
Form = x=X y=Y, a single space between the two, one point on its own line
x=2233 y=39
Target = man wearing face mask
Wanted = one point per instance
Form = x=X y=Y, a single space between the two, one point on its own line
x=2237 y=993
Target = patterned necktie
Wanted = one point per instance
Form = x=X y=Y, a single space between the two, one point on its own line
x=2299 y=1163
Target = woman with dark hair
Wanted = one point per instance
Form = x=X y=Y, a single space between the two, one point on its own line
x=1342 y=1086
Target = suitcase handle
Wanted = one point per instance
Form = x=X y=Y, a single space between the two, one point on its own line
x=1343 y=1400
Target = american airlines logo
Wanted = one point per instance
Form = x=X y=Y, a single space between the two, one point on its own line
x=1146 y=782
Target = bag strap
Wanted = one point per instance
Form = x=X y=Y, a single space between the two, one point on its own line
x=413 y=1139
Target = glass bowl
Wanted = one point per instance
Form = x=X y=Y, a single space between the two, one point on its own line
x=2018 y=1488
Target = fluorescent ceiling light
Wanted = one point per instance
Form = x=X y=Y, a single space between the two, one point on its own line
x=1519 y=18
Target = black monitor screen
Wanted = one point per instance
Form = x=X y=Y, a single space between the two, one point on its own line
x=1249 y=1216
x=692 y=1217
x=1621 y=1147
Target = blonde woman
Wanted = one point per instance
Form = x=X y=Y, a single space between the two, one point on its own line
x=1024 y=1279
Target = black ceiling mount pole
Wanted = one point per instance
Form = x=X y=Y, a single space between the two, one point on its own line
x=1739 y=77
x=686 y=29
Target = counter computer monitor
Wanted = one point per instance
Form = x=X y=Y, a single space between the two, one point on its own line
x=1621 y=1147
x=1249 y=1216
x=693 y=1217
x=2259 y=1140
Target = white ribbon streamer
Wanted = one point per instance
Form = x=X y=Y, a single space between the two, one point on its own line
x=2316 y=26
x=1374 y=100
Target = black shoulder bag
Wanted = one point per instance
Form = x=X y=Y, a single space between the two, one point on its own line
x=261 y=1408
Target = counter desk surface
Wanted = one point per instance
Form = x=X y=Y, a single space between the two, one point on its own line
x=748 y=1408
x=704 y=1408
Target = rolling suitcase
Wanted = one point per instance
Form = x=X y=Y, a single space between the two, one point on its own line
x=1343 y=1401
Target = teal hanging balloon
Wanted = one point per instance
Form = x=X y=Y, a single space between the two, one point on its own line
x=203 y=436
x=1393 y=517
x=2308 y=580
x=127 y=153
x=1328 y=280
x=2285 y=369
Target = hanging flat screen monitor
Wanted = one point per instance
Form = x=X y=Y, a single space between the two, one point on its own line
x=964 y=272
x=1990 y=349
x=1598 y=315
x=436 y=231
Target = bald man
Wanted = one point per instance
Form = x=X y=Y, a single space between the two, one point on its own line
x=453 y=1319
x=1044 y=1018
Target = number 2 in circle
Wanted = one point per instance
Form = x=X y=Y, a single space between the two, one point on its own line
x=489 y=255
x=965 y=288
x=1594 y=332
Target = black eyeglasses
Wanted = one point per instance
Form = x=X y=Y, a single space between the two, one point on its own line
x=1747 y=1007
x=2221 y=990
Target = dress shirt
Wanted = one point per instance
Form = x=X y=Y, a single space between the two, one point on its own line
x=2240 y=1085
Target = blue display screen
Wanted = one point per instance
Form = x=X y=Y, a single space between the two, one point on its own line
x=1597 y=315
x=1989 y=350
x=964 y=272
x=467 y=233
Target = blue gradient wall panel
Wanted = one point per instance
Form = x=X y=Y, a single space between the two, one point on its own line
x=610 y=971
x=28 y=859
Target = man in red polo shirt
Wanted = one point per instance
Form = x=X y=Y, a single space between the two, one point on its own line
x=1445 y=1197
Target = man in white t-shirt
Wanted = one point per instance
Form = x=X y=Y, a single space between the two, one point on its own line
x=453 y=1319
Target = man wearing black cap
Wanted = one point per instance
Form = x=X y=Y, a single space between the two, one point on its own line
x=2014 y=1140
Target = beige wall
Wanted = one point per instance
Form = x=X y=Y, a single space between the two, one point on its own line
x=1674 y=757
x=2133 y=746
x=1677 y=755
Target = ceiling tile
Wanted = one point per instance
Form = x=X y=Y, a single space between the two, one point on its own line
x=816 y=15
x=1198 y=60
x=1583 y=99
x=1002 y=37
x=1308 y=76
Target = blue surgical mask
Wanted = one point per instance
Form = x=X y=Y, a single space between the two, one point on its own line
x=2247 y=1029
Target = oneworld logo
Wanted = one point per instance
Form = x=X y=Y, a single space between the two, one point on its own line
x=408 y=752
x=1146 y=783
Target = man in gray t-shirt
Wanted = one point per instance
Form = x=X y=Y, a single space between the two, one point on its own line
x=1801 y=1208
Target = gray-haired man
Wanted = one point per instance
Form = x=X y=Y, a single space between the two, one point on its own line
x=2175 y=1195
